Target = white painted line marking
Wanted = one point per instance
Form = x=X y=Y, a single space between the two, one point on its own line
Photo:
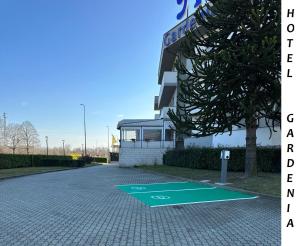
x=186 y=203
x=138 y=192
x=160 y=197
x=138 y=188
x=154 y=183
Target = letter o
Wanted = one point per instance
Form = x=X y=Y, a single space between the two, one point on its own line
x=290 y=28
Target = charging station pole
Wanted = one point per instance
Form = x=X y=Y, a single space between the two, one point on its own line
x=225 y=155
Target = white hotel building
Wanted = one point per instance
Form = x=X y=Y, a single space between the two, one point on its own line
x=144 y=141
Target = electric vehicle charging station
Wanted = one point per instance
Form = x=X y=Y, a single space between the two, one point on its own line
x=225 y=156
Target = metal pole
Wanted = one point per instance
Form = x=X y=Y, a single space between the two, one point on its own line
x=63 y=142
x=4 y=129
x=46 y=145
x=224 y=167
x=224 y=171
x=108 y=152
x=84 y=124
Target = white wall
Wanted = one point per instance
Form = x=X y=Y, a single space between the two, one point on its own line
x=129 y=157
x=238 y=138
x=198 y=142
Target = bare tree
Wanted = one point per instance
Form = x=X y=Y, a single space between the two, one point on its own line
x=29 y=135
x=2 y=141
x=13 y=136
x=1 y=132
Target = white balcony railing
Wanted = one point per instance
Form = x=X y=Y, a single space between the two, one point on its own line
x=148 y=144
x=167 y=89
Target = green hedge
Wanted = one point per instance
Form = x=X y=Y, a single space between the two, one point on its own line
x=15 y=161
x=62 y=163
x=100 y=159
x=89 y=159
x=268 y=159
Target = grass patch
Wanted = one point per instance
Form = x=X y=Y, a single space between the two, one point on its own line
x=265 y=183
x=15 y=172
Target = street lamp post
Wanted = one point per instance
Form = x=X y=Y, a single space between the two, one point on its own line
x=84 y=124
x=63 y=143
x=4 y=129
x=46 y=145
x=108 y=152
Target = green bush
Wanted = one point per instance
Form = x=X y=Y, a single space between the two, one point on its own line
x=86 y=159
x=100 y=159
x=62 y=163
x=15 y=161
x=268 y=159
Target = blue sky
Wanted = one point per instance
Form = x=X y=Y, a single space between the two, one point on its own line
x=57 y=54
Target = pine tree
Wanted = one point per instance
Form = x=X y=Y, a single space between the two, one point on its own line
x=235 y=75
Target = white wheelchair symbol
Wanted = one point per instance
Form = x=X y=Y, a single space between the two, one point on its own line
x=160 y=197
x=138 y=188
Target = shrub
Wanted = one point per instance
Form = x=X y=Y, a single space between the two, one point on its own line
x=268 y=159
x=86 y=159
x=62 y=163
x=100 y=159
x=15 y=161
x=114 y=156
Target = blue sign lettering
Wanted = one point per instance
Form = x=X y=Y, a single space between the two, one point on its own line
x=198 y=3
x=182 y=12
x=184 y=7
x=179 y=31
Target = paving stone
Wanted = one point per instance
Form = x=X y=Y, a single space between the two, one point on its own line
x=83 y=207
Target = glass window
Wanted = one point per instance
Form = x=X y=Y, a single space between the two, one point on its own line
x=152 y=135
x=131 y=135
x=169 y=135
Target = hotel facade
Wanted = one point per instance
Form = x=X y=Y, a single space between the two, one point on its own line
x=144 y=141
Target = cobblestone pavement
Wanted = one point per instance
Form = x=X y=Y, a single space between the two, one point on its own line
x=82 y=207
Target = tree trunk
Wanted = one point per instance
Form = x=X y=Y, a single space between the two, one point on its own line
x=27 y=147
x=250 y=157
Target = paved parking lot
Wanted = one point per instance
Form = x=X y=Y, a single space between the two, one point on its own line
x=83 y=207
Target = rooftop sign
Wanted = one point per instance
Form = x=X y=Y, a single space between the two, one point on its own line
x=179 y=31
x=184 y=4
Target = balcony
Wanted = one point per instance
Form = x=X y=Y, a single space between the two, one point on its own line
x=156 y=103
x=167 y=89
x=152 y=134
x=164 y=112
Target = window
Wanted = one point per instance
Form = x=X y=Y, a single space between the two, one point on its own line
x=152 y=135
x=169 y=135
x=131 y=135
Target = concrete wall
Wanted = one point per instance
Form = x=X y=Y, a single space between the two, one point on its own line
x=237 y=139
x=198 y=142
x=130 y=156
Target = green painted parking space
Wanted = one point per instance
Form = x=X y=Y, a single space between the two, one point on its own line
x=179 y=193
x=169 y=198
x=169 y=186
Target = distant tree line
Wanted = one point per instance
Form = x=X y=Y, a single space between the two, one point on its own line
x=18 y=138
x=23 y=138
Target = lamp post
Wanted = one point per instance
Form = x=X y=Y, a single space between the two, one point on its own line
x=84 y=124
x=63 y=143
x=108 y=153
x=46 y=138
x=4 y=129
